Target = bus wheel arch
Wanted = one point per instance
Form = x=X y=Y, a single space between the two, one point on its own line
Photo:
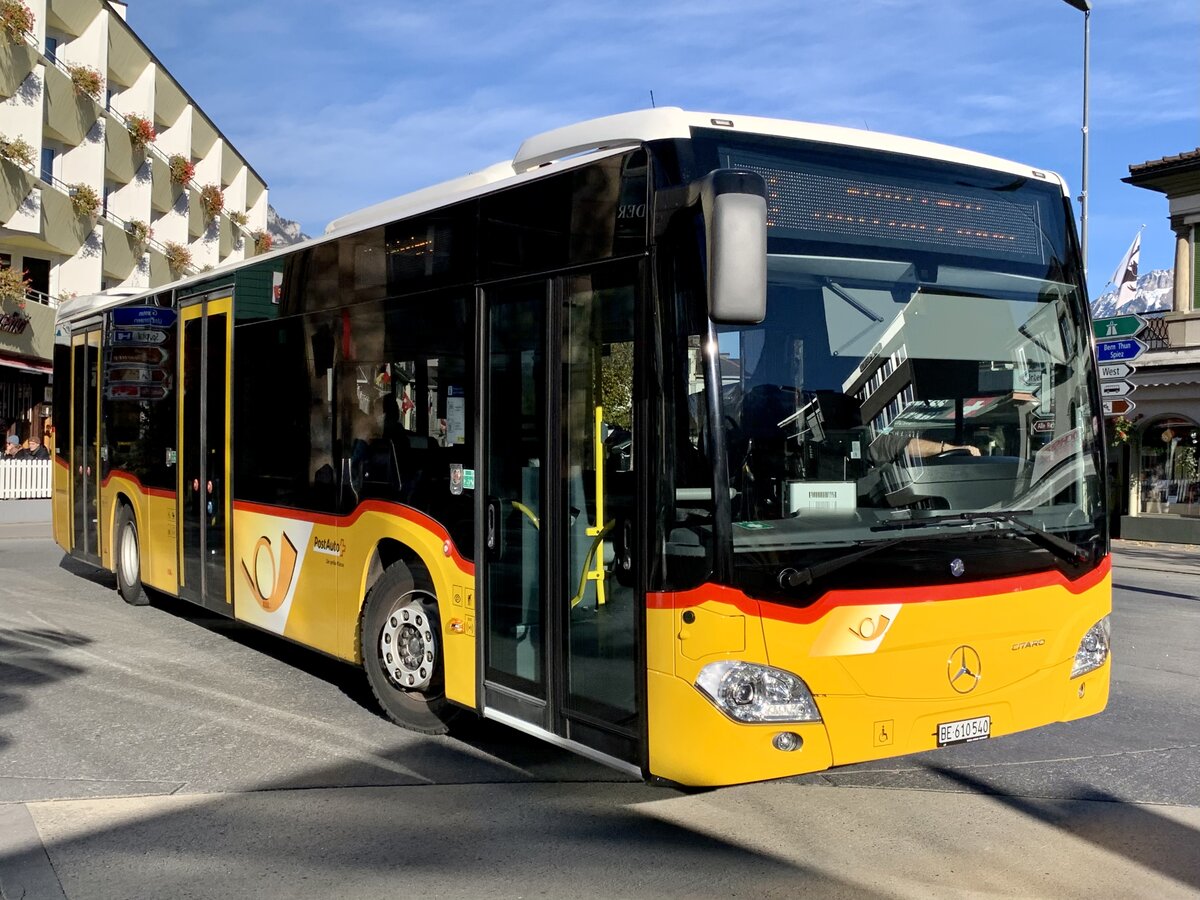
x=127 y=554
x=400 y=643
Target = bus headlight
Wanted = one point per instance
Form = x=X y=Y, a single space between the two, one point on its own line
x=747 y=692
x=1093 y=649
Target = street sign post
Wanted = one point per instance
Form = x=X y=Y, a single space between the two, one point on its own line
x=1115 y=388
x=1120 y=350
x=1118 y=406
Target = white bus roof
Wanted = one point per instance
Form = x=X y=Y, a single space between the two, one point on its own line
x=579 y=144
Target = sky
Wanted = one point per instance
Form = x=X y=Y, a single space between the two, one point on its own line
x=340 y=105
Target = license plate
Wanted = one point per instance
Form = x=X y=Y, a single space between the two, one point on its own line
x=964 y=730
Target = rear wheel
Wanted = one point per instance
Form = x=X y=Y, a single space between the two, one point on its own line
x=401 y=646
x=129 y=560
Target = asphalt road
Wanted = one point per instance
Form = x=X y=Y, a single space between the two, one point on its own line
x=164 y=752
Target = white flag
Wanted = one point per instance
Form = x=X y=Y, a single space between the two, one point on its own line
x=1125 y=278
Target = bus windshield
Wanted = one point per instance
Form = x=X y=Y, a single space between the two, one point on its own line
x=914 y=365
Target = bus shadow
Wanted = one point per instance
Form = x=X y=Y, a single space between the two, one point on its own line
x=1134 y=831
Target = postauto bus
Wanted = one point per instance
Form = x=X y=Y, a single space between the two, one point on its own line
x=713 y=448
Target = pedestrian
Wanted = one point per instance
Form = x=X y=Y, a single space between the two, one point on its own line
x=12 y=447
x=33 y=449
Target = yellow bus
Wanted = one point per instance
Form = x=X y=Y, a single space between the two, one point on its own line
x=713 y=448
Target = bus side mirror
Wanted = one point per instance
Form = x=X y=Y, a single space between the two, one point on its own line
x=734 y=204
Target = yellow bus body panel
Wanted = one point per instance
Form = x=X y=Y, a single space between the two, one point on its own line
x=304 y=576
x=881 y=667
x=61 y=508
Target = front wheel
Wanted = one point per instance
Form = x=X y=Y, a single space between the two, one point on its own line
x=401 y=647
x=129 y=560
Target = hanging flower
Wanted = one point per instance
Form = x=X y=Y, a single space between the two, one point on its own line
x=1122 y=430
x=16 y=20
x=13 y=285
x=141 y=131
x=84 y=200
x=262 y=242
x=18 y=150
x=179 y=257
x=140 y=232
x=86 y=80
x=212 y=200
x=238 y=218
x=182 y=169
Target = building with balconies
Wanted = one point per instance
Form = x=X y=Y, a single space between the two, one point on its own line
x=1161 y=462
x=110 y=176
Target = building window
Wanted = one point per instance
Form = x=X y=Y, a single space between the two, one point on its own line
x=48 y=164
x=51 y=47
x=1168 y=468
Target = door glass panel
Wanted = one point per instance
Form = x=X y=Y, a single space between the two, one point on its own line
x=214 y=461
x=189 y=449
x=82 y=517
x=91 y=456
x=599 y=495
x=516 y=425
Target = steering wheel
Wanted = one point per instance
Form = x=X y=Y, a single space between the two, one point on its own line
x=954 y=451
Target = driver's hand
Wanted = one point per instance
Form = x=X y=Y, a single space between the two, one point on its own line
x=972 y=449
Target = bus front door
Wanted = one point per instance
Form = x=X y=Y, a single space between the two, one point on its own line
x=85 y=444
x=559 y=581
x=204 y=458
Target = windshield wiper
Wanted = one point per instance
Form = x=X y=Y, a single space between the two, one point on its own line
x=793 y=578
x=1060 y=547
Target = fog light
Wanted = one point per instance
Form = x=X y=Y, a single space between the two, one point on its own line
x=787 y=741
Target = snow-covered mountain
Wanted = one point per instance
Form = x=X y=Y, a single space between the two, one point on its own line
x=1154 y=294
x=284 y=231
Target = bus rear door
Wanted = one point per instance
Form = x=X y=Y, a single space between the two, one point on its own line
x=204 y=457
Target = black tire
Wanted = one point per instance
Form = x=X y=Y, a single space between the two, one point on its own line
x=398 y=591
x=127 y=559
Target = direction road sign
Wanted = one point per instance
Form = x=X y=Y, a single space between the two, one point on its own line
x=1043 y=426
x=1118 y=406
x=1116 y=388
x=1118 y=326
x=138 y=336
x=1116 y=370
x=1122 y=350
x=148 y=317
x=150 y=356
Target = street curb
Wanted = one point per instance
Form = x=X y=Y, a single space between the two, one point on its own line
x=26 y=872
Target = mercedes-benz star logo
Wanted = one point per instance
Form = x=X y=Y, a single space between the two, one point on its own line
x=963 y=669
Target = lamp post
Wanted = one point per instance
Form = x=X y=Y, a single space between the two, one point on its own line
x=1085 y=7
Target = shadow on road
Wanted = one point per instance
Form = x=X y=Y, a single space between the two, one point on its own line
x=1135 y=832
x=28 y=660
x=1145 y=590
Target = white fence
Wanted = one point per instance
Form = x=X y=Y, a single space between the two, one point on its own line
x=25 y=479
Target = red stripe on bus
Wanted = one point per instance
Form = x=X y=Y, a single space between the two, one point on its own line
x=129 y=476
x=837 y=598
x=416 y=517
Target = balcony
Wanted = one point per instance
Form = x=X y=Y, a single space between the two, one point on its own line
x=163 y=192
x=121 y=255
x=62 y=229
x=68 y=116
x=16 y=63
x=72 y=16
x=121 y=159
x=127 y=59
x=15 y=185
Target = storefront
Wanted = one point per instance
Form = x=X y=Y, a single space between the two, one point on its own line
x=26 y=350
x=1161 y=456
